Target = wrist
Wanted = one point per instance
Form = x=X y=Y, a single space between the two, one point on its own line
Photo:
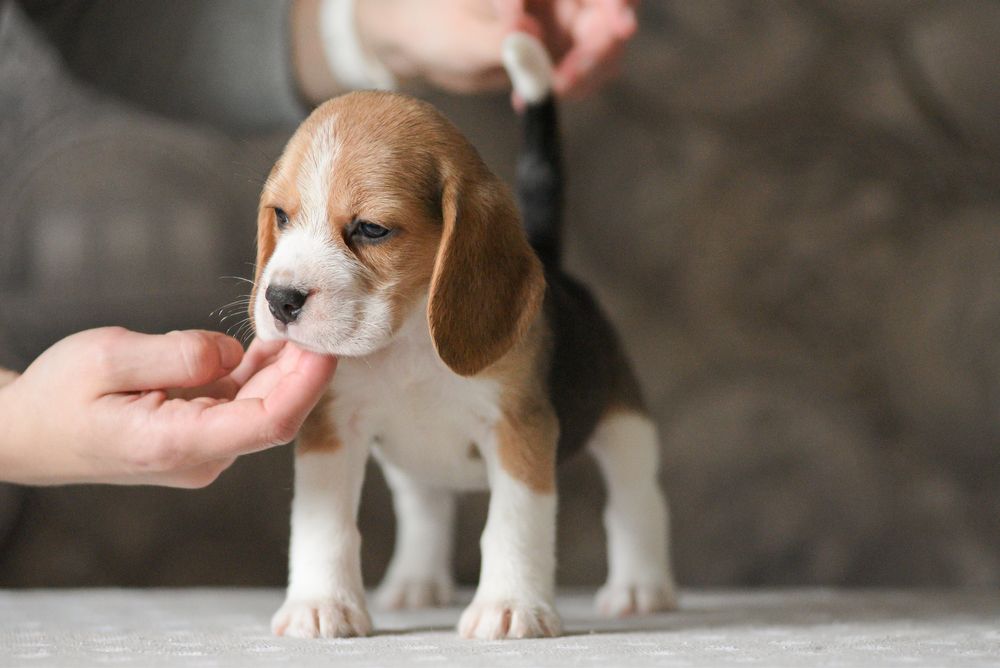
x=355 y=55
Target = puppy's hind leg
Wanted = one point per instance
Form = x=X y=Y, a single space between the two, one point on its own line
x=419 y=574
x=636 y=518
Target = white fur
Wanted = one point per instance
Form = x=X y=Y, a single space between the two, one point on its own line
x=419 y=575
x=517 y=579
x=528 y=66
x=636 y=519
x=325 y=596
x=339 y=317
x=418 y=415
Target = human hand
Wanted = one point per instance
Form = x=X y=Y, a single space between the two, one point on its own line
x=586 y=39
x=110 y=405
x=456 y=44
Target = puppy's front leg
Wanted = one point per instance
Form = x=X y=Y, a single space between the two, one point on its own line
x=326 y=597
x=517 y=578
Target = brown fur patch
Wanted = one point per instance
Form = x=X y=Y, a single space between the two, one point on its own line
x=488 y=284
x=528 y=431
x=318 y=433
x=527 y=437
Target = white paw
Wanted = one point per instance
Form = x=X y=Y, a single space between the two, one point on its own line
x=496 y=620
x=401 y=594
x=321 y=619
x=623 y=600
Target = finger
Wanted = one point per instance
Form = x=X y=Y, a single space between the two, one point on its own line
x=196 y=477
x=267 y=377
x=223 y=388
x=258 y=355
x=599 y=37
x=583 y=60
x=203 y=475
x=517 y=102
x=297 y=393
x=619 y=17
x=127 y=361
x=588 y=85
x=251 y=424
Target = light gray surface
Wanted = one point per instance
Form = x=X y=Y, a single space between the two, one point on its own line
x=209 y=627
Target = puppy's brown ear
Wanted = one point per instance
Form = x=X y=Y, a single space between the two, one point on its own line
x=266 y=240
x=487 y=284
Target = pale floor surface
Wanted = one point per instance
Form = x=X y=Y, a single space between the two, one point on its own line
x=214 y=627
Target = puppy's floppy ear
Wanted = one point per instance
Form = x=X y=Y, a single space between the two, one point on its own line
x=266 y=241
x=487 y=284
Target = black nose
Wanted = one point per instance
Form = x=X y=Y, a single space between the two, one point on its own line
x=285 y=303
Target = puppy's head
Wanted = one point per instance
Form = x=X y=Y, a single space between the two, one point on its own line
x=377 y=201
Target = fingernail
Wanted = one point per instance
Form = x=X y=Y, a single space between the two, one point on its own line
x=230 y=352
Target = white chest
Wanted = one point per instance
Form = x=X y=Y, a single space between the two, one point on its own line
x=415 y=413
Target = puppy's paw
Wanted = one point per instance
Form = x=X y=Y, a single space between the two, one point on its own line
x=623 y=600
x=321 y=619
x=402 y=594
x=497 y=620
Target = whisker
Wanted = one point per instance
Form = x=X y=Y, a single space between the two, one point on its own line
x=230 y=316
x=241 y=331
x=233 y=307
x=237 y=278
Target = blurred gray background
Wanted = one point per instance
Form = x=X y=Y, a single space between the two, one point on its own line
x=790 y=208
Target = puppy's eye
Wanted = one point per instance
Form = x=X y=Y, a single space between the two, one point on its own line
x=280 y=218
x=368 y=230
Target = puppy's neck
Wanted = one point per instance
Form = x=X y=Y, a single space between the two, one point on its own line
x=410 y=347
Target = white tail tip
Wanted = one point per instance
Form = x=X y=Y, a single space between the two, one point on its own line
x=528 y=66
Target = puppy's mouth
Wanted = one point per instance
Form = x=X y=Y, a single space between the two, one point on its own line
x=280 y=314
x=314 y=322
x=292 y=333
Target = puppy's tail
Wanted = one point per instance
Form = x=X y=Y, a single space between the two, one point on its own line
x=539 y=166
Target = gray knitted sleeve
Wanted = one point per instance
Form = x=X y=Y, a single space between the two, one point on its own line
x=226 y=62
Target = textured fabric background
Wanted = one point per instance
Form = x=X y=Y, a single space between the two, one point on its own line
x=791 y=209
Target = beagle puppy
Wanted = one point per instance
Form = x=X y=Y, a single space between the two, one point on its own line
x=469 y=361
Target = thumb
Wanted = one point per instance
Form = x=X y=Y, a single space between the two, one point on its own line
x=133 y=362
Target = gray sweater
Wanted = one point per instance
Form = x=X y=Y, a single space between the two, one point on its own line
x=226 y=62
